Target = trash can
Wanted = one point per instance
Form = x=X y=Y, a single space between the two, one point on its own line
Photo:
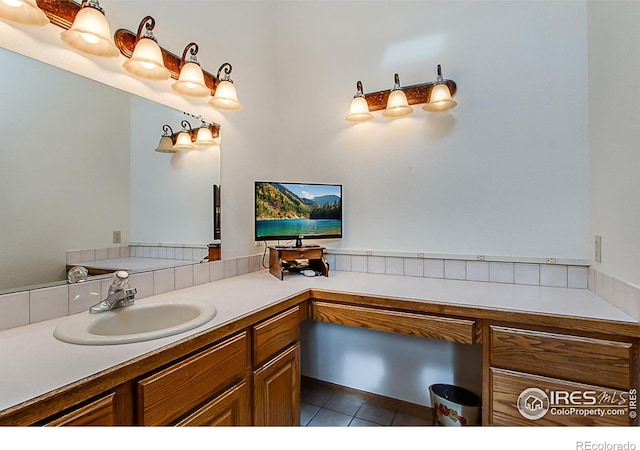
x=454 y=406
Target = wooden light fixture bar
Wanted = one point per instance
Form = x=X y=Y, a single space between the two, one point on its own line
x=416 y=94
x=63 y=12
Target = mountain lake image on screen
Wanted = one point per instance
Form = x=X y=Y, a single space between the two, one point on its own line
x=297 y=210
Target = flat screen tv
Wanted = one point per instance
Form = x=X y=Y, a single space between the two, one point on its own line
x=287 y=211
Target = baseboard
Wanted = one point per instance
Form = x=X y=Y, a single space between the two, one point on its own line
x=394 y=404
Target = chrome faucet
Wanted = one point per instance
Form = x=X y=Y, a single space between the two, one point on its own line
x=119 y=295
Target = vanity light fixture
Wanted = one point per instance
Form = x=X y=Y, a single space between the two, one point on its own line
x=191 y=80
x=359 y=109
x=166 y=141
x=204 y=137
x=397 y=104
x=436 y=96
x=225 y=96
x=26 y=12
x=183 y=141
x=146 y=61
x=440 y=98
x=90 y=32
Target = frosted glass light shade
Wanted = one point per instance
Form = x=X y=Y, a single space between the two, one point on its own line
x=191 y=81
x=165 y=145
x=440 y=99
x=204 y=137
x=359 y=110
x=91 y=34
x=397 y=104
x=183 y=142
x=146 y=61
x=25 y=12
x=225 y=97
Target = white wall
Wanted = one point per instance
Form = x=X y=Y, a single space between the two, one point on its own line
x=57 y=165
x=505 y=173
x=614 y=107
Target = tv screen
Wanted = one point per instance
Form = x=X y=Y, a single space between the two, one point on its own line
x=297 y=211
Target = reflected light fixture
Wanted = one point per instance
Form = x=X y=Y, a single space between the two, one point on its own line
x=26 y=12
x=90 y=32
x=440 y=98
x=204 y=136
x=359 y=109
x=183 y=141
x=397 y=105
x=146 y=61
x=225 y=96
x=166 y=142
x=191 y=79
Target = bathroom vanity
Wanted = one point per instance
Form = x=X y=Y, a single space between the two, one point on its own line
x=243 y=367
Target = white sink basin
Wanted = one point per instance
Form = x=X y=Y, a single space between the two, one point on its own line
x=134 y=323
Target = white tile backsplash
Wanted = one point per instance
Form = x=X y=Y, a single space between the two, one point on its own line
x=455 y=269
x=164 y=281
x=15 y=310
x=343 y=263
x=376 y=264
x=230 y=267
x=84 y=295
x=184 y=277
x=216 y=270
x=48 y=303
x=359 y=263
x=577 y=277
x=434 y=268
x=477 y=271
x=201 y=273
x=394 y=266
x=143 y=282
x=501 y=272
x=414 y=267
x=243 y=265
x=526 y=273
x=553 y=275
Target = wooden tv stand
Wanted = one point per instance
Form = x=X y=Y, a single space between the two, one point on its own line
x=278 y=255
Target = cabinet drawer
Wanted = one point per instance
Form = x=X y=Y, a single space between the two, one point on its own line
x=173 y=392
x=273 y=335
x=306 y=253
x=507 y=387
x=577 y=358
x=97 y=413
x=445 y=328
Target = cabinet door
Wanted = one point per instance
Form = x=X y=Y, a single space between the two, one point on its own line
x=231 y=408
x=97 y=413
x=277 y=390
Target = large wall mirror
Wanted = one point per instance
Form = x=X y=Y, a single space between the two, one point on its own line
x=78 y=163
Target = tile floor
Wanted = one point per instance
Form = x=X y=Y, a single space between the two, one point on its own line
x=320 y=408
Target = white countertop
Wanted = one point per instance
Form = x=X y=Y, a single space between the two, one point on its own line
x=34 y=362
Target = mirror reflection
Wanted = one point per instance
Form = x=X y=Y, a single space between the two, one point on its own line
x=78 y=171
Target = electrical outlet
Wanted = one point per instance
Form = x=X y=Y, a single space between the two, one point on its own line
x=480 y=258
x=117 y=237
x=598 y=255
x=420 y=255
x=258 y=243
x=551 y=260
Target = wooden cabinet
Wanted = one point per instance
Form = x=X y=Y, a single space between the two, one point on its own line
x=277 y=390
x=280 y=256
x=167 y=396
x=99 y=412
x=276 y=380
x=549 y=378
